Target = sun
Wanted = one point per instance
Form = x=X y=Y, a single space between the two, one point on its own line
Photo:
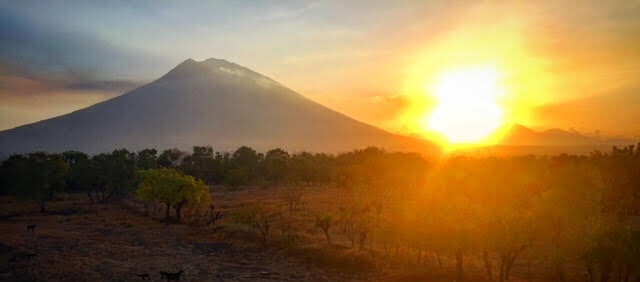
x=467 y=104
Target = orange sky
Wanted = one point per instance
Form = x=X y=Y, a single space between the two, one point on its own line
x=566 y=64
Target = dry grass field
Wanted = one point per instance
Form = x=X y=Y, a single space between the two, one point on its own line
x=78 y=241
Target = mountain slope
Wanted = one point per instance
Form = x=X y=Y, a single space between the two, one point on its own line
x=213 y=102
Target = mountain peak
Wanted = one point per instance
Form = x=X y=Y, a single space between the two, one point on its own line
x=190 y=68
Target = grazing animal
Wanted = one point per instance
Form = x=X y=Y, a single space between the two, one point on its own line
x=144 y=276
x=31 y=227
x=173 y=276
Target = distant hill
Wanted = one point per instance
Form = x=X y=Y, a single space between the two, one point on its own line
x=519 y=135
x=213 y=102
x=520 y=140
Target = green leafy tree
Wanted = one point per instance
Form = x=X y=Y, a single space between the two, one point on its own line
x=174 y=189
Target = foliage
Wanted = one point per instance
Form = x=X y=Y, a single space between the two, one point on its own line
x=276 y=164
x=174 y=189
x=255 y=217
x=291 y=195
x=35 y=176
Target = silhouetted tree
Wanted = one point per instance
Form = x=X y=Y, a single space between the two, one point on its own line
x=37 y=176
x=147 y=159
x=171 y=158
x=276 y=164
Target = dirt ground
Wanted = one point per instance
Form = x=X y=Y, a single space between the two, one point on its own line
x=77 y=241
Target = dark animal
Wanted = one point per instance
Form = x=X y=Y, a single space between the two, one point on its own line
x=13 y=259
x=144 y=276
x=173 y=276
x=163 y=274
x=31 y=227
x=31 y=255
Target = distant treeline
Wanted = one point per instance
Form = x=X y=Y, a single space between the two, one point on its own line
x=39 y=175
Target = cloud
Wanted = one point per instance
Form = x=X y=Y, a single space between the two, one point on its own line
x=16 y=81
x=47 y=69
x=50 y=49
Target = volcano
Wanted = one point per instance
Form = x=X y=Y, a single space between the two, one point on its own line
x=213 y=102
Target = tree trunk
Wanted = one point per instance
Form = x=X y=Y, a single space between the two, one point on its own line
x=326 y=234
x=146 y=208
x=439 y=260
x=487 y=264
x=626 y=273
x=590 y=272
x=168 y=213
x=502 y=267
x=606 y=271
x=560 y=272
x=510 y=261
x=90 y=197
x=178 y=209
x=109 y=195
x=42 y=207
x=362 y=238
x=100 y=196
x=459 y=266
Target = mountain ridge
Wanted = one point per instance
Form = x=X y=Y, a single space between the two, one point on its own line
x=519 y=135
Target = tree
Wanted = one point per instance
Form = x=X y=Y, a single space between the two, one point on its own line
x=255 y=217
x=247 y=159
x=147 y=159
x=201 y=164
x=37 y=176
x=106 y=175
x=302 y=168
x=235 y=177
x=174 y=189
x=85 y=176
x=325 y=223
x=581 y=185
x=171 y=158
x=74 y=160
x=292 y=196
x=276 y=165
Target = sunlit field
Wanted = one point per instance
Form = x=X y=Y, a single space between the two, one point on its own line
x=364 y=215
x=309 y=141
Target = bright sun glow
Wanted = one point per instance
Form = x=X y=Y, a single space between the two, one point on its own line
x=468 y=109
